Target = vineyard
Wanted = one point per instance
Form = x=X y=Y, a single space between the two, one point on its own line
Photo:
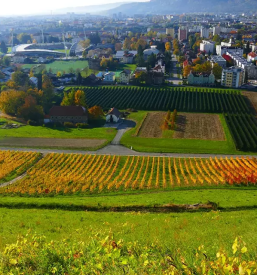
x=243 y=128
x=73 y=173
x=16 y=162
x=181 y=99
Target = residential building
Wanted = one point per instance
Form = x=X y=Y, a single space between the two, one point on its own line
x=141 y=69
x=148 y=52
x=219 y=60
x=252 y=56
x=120 y=54
x=207 y=46
x=160 y=67
x=220 y=50
x=216 y=30
x=113 y=116
x=125 y=76
x=128 y=58
x=244 y=64
x=94 y=64
x=74 y=114
x=232 y=77
x=109 y=77
x=171 y=32
x=205 y=33
x=201 y=79
x=182 y=33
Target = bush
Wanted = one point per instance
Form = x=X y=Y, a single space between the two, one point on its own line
x=34 y=122
x=69 y=124
x=82 y=125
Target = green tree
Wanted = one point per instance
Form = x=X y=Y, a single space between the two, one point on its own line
x=6 y=61
x=151 y=60
x=3 y=47
x=217 y=71
x=24 y=38
x=20 y=79
x=48 y=91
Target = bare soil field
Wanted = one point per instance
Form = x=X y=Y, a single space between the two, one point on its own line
x=151 y=127
x=198 y=126
x=51 y=142
x=252 y=97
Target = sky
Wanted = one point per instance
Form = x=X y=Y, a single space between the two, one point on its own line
x=20 y=7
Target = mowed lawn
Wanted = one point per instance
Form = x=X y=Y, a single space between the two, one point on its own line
x=61 y=66
x=171 y=145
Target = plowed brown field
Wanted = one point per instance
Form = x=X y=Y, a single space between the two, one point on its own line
x=151 y=127
x=199 y=126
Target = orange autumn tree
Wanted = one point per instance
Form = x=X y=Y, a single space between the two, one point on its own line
x=80 y=98
x=167 y=46
x=95 y=112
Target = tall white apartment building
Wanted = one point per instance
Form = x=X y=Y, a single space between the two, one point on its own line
x=232 y=77
x=205 y=33
x=207 y=46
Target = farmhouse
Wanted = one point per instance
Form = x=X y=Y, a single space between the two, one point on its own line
x=74 y=114
x=113 y=115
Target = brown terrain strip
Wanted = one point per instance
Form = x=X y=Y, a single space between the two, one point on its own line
x=199 y=126
x=51 y=142
x=252 y=97
x=151 y=127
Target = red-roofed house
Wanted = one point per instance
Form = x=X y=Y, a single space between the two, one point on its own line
x=74 y=114
x=252 y=56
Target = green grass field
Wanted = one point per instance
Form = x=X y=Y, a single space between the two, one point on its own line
x=28 y=131
x=61 y=66
x=186 y=231
x=170 y=145
x=58 y=132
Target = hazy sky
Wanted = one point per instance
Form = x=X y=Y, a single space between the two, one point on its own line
x=31 y=6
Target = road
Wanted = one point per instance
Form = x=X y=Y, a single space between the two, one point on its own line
x=175 y=79
x=119 y=150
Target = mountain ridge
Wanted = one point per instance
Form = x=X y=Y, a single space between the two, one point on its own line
x=186 y=6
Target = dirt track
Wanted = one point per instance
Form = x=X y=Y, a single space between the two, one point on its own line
x=199 y=126
x=51 y=142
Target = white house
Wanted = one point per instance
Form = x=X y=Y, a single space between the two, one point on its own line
x=252 y=56
x=125 y=76
x=128 y=58
x=160 y=67
x=109 y=77
x=113 y=116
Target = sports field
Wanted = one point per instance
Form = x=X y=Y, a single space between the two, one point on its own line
x=61 y=66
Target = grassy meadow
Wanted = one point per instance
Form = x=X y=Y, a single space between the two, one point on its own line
x=61 y=66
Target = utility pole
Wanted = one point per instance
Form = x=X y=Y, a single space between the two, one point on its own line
x=42 y=30
x=12 y=42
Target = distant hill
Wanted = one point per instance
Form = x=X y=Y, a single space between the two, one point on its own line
x=186 y=6
x=90 y=9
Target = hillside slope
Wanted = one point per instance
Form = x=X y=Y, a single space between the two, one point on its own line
x=186 y=6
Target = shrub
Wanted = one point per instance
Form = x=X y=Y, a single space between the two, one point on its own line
x=33 y=123
x=82 y=125
x=106 y=255
x=69 y=124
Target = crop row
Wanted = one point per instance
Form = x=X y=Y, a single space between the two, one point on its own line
x=243 y=128
x=70 y=173
x=15 y=162
x=181 y=99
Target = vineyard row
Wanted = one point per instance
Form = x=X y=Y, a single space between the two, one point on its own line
x=181 y=99
x=243 y=128
x=71 y=173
